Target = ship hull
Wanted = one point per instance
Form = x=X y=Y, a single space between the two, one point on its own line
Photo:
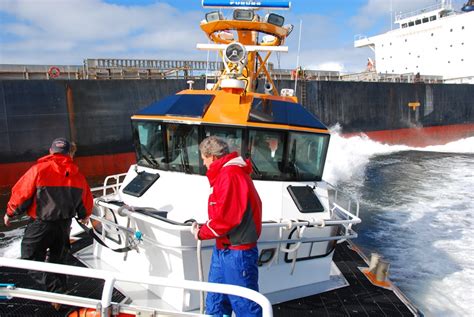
x=96 y=115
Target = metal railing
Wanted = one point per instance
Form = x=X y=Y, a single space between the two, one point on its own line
x=446 y=5
x=105 y=304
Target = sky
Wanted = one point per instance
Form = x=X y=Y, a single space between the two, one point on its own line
x=65 y=32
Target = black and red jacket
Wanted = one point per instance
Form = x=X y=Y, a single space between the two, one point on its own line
x=234 y=207
x=52 y=189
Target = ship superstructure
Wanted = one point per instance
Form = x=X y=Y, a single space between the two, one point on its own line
x=433 y=41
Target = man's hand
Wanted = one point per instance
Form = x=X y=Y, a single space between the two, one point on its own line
x=6 y=220
x=84 y=221
x=195 y=230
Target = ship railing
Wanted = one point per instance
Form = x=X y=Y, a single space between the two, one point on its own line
x=341 y=217
x=105 y=305
x=444 y=5
x=111 y=183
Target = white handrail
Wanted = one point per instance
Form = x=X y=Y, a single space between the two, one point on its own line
x=111 y=277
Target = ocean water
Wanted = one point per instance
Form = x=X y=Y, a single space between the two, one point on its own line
x=417 y=210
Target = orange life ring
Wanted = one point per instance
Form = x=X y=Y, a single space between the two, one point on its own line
x=91 y=312
x=54 y=72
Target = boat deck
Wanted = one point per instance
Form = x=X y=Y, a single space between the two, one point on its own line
x=361 y=298
x=78 y=286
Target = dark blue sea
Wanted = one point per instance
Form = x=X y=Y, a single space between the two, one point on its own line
x=417 y=208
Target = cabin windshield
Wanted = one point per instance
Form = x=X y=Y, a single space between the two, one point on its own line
x=274 y=154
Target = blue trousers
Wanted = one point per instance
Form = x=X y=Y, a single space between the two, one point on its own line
x=236 y=267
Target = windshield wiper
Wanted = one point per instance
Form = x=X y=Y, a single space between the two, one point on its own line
x=150 y=158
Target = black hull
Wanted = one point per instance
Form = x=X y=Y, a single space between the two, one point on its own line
x=96 y=113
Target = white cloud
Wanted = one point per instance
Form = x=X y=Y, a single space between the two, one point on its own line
x=49 y=31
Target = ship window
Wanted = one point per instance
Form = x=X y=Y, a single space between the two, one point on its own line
x=450 y=30
x=232 y=136
x=418 y=22
x=293 y=156
x=307 y=154
x=433 y=17
x=425 y=20
x=183 y=148
x=148 y=137
x=404 y=25
x=266 y=149
x=411 y=23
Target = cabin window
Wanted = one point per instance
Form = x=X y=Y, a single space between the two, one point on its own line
x=307 y=154
x=293 y=156
x=425 y=20
x=418 y=22
x=149 y=143
x=183 y=148
x=411 y=23
x=275 y=154
x=232 y=136
x=266 y=150
x=404 y=25
x=433 y=17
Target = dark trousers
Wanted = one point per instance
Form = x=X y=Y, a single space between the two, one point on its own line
x=47 y=241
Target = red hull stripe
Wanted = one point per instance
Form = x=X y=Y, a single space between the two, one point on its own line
x=420 y=137
x=90 y=166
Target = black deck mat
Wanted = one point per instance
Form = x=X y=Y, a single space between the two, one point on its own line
x=78 y=286
x=360 y=298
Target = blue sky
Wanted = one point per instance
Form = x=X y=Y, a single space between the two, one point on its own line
x=65 y=32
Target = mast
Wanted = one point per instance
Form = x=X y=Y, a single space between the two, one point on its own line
x=245 y=41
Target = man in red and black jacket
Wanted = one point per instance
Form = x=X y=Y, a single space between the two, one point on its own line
x=235 y=221
x=51 y=192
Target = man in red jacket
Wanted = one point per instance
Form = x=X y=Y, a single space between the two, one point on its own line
x=51 y=192
x=235 y=221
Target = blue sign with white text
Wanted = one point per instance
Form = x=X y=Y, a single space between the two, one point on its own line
x=270 y=4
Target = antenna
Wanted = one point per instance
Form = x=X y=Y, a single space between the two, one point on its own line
x=298 y=56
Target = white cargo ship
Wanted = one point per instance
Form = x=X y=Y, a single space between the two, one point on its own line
x=433 y=41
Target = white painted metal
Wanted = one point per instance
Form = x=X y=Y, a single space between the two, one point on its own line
x=441 y=47
x=249 y=48
x=168 y=248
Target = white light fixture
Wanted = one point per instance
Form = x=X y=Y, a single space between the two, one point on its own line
x=275 y=19
x=244 y=15
x=214 y=16
x=235 y=53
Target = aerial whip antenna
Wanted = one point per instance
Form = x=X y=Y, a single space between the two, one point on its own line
x=298 y=55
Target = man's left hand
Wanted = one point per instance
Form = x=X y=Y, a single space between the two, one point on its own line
x=195 y=230
x=6 y=220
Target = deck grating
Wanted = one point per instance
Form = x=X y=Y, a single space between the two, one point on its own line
x=360 y=298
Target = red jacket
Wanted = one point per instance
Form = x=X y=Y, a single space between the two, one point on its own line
x=52 y=189
x=235 y=209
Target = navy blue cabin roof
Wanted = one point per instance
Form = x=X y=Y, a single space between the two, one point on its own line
x=283 y=112
x=262 y=110
x=179 y=105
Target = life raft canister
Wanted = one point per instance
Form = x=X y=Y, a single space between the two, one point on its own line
x=91 y=312
x=54 y=72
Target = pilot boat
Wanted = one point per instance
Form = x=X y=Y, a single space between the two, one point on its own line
x=144 y=248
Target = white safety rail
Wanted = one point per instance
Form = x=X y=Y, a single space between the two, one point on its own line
x=105 y=304
x=115 y=183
